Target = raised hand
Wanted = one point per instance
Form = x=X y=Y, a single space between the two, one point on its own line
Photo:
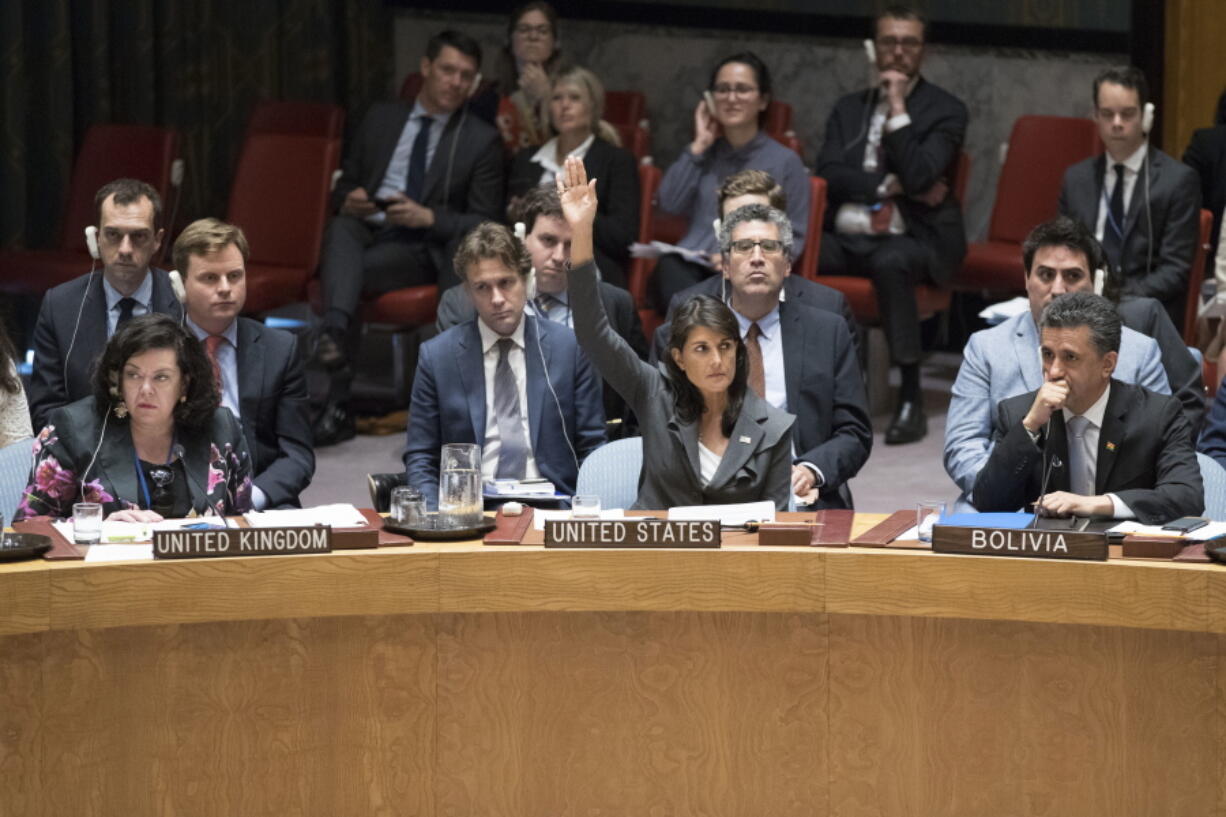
x=706 y=129
x=577 y=194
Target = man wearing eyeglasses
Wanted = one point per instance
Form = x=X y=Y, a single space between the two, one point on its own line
x=78 y=316
x=801 y=358
x=1142 y=204
x=892 y=217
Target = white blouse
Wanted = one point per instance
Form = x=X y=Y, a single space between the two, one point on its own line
x=708 y=463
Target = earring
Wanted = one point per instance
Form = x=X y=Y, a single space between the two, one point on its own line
x=121 y=410
x=182 y=398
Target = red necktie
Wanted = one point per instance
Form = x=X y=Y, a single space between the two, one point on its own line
x=757 y=375
x=210 y=346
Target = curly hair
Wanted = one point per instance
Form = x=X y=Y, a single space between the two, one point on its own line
x=10 y=381
x=703 y=310
x=491 y=240
x=156 y=331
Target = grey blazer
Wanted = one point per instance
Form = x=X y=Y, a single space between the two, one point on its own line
x=758 y=461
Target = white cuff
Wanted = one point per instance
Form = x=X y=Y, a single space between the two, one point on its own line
x=895 y=122
x=259 y=499
x=817 y=472
x=1119 y=510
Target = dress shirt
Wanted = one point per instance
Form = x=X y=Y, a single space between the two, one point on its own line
x=143 y=297
x=857 y=218
x=515 y=358
x=708 y=463
x=559 y=309
x=398 y=167
x=1132 y=169
x=547 y=157
x=1094 y=414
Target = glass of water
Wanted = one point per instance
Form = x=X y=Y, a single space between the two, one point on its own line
x=87 y=523
x=408 y=507
x=459 y=487
x=585 y=506
x=927 y=514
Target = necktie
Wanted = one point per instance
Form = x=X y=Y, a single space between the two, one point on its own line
x=211 y=344
x=757 y=375
x=1081 y=459
x=544 y=303
x=1113 y=230
x=126 y=305
x=417 y=161
x=513 y=454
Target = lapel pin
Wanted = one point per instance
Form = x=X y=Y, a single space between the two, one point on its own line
x=1110 y=446
x=744 y=439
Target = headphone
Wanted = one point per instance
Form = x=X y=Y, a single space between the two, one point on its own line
x=1147 y=118
x=91 y=241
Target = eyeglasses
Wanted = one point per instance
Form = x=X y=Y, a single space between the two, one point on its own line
x=770 y=246
x=723 y=89
x=906 y=43
x=525 y=30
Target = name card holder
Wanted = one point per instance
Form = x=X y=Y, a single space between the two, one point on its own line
x=198 y=544
x=1023 y=542
x=630 y=533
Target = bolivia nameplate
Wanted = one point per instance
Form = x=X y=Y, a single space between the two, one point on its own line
x=1029 y=542
x=630 y=533
x=197 y=544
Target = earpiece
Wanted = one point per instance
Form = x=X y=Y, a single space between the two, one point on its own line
x=521 y=230
x=717 y=225
x=176 y=284
x=1100 y=278
x=91 y=241
x=472 y=91
x=870 y=51
x=1147 y=118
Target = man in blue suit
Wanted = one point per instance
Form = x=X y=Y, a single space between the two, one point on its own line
x=518 y=387
x=1003 y=361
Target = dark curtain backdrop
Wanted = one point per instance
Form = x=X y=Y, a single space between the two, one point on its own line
x=194 y=65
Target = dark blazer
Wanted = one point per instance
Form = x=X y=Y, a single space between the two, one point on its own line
x=455 y=307
x=53 y=337
x=448 y=403
x=215 y=458
x=796 y=288
x=617 y=186
x=1206 y=155
x=1213 y=437
x=1145 y=315
x=757 y=464
x=464 y=182
x=919 y=154
x=1174 y=205
x=833 y=429
x=275 y=411
x=1145 y=457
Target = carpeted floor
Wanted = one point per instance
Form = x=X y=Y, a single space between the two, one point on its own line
x=896 y=476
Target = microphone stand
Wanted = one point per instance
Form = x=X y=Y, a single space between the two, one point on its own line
x=1051 y=465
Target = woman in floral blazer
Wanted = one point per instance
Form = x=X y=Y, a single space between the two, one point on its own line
x=151 y=438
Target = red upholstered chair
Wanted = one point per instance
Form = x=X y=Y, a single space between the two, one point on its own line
x=280 y=199
x=641 y=268
x=806 y=265
x=635 y=139
x=1196 y=277
x=108 y=152
x=297 y=118
x=1040 y=149
x=625 y=108
x=778 y=120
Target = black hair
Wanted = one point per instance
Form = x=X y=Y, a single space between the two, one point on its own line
x=10 y=381
x=901 y=12
x=1219 y=114
x=703 y=310
x=761 y=74
x=458 y=40
x=1063 y=231
x=128 y=191
x=1085 y=309
x=157 y=331
x=1128 y=77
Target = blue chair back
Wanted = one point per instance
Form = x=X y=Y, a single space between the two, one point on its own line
x=612 y=473
x=15 y=461
x=1214 y=477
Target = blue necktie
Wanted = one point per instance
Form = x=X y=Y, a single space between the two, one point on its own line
x=1113 y=230
x=513 y=451
x=126 y=305
x=417 y=161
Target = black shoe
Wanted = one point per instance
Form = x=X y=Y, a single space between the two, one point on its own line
x=908 y=425
x=329 y=351
x=334 y=426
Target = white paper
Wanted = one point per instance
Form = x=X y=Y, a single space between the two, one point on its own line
x=657 y=248
x=998 y=313
x=540 y=517
x=119 y=553
x=911 y=534
x=130 y=533
x=727 y=515
x=1210 y=531
x=340 y=515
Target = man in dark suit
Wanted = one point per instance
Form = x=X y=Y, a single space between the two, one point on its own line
x=78 y=316
x=886 y=158
x=516 y=385
x=1142 y=204
x=1104 y=448
x=416 y=179
x=1206 y=155
x=260 y=376
x=802 y=358
x=547 y=238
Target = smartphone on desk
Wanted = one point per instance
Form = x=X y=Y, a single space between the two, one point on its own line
x=1186 y=524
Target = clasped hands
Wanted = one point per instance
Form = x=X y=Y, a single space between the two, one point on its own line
x=402 y=212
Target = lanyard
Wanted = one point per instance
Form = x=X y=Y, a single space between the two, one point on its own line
x=140 y=472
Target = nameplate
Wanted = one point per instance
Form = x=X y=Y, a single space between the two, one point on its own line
x=197 y=544
x=630 y=533
x=1027 y=542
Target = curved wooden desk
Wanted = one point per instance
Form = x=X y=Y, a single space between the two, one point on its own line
x=462 y=680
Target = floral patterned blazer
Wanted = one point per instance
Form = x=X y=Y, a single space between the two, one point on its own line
x=215 y=458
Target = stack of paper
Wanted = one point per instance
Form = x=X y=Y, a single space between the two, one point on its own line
x=340 y=515
x=728 y=515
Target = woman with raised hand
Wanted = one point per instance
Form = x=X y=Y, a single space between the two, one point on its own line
x=707 y=437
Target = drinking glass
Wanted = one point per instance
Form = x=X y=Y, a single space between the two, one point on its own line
x=87 y=523
x=459 y=488
x=585 y=506
x=408 y=507
x=927 y=514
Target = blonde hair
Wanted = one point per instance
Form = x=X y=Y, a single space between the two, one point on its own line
x=590 y=84
x=204 y=236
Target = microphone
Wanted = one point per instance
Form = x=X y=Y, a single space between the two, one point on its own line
x=1053 y=463
x=177 y=454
